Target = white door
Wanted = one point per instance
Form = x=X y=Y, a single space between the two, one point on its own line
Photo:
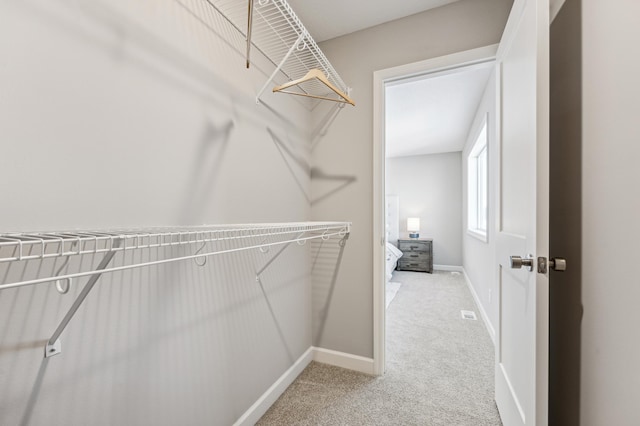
x=522 y=228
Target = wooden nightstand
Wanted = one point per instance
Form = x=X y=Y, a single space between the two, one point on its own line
x=417 y=254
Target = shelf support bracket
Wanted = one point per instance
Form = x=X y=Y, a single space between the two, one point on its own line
x=275 y=256
x=293 y=47
x=54 y=347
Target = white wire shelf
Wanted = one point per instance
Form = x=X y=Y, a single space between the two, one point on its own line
x=28 y=246
x=277 y=32
x=204 y=241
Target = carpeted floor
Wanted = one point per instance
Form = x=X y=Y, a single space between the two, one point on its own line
x=439 y=367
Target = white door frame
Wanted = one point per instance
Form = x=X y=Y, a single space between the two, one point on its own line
x=436 y=66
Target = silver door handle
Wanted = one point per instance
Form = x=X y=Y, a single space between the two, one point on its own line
x=517 y=262
x=558 y=264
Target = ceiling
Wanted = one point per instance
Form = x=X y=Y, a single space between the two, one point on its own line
x=431 y=115
x=425 y=115
x=327 y=19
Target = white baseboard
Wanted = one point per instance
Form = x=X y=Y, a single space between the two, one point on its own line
x=325 y=356
x=344 y=360
x=483 y=313
x=257 y=410
x=451 y=268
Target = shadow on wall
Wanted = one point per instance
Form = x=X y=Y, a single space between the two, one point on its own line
x=330 y=183
x=205 y=168
x=282 y=117
x=116 y=34
x=189 y=61
x=179 y=331
x=296 y=163
x=323 y=126
x=326 y=261
x=125 y=39
x=33 y=397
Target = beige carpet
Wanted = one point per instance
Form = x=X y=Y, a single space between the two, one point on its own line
x=439 y=367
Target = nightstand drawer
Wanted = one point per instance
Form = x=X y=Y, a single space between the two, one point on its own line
x=405 y=246
x=410 y=256
x=410 y=265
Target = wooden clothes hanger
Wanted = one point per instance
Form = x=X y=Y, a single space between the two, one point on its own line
x=318 y=75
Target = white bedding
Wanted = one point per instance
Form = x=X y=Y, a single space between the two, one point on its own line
x=393 y=254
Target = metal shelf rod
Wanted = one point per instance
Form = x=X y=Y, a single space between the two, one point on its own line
x=342 y=232
x=136 y=239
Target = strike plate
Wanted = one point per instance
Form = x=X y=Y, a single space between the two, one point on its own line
x=51 y=350
x=542 y=265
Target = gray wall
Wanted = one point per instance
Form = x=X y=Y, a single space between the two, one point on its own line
x=610 y=374
x=479 y=256
x=134 y=113
x=345 y=148
x=430 y=187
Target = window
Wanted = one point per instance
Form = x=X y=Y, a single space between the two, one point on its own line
x=477 y=189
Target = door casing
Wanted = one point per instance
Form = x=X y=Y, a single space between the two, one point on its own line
x=434 y=67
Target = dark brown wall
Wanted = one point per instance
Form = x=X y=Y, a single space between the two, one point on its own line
x=565 y=215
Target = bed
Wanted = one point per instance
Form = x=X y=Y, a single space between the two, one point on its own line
x=392 y=256
x=392 y=225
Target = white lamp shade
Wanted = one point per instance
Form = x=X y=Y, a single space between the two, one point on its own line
x=413 y=224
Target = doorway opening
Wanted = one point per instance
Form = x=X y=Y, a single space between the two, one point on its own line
x=423 y=115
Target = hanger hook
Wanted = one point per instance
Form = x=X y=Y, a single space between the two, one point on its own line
x=64 y=285
x=264 y=249
x=325 y=237
x=204 y=258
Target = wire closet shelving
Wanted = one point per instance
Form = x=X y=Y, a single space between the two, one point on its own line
x=198 y=242
x=273 y=28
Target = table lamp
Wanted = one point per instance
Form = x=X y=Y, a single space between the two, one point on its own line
x=413 y=226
